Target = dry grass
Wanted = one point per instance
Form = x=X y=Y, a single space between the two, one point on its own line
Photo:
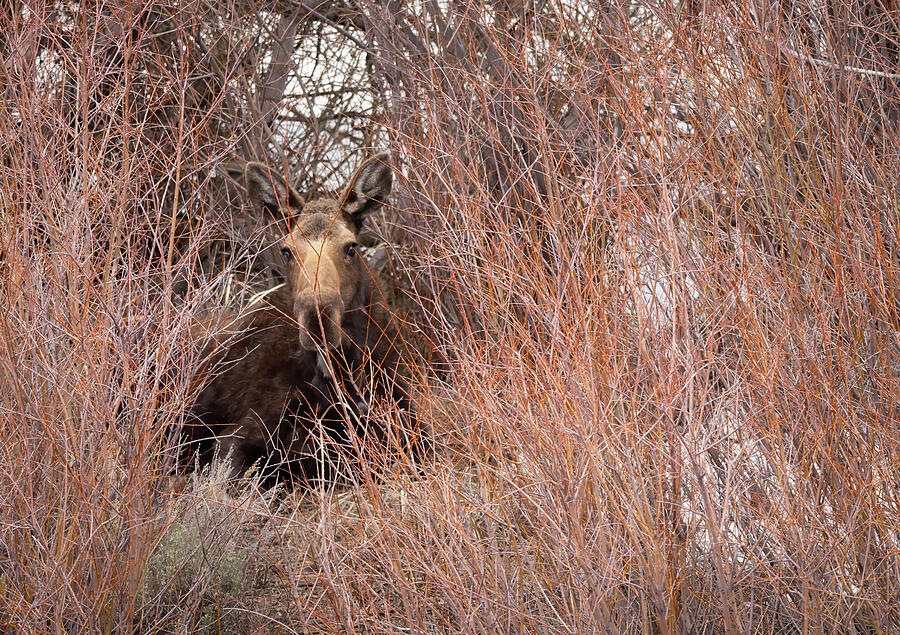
x=648 y=258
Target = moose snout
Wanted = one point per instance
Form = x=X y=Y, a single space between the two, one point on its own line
x=319 y=319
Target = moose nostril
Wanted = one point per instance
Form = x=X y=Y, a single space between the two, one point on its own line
x=312 y=322
x=326 y=307
x=321 y=317
x=319 y=320
x=323 y=309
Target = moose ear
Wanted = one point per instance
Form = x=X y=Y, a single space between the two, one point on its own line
x=368 y=190
x=268 y=192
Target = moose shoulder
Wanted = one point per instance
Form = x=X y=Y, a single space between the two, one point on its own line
x=289 y=383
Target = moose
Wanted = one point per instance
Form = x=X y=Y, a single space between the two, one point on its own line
x=290 y=384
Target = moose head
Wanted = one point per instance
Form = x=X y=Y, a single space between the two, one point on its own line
x=324 y=273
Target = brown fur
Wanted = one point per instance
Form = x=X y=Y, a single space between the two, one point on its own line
x=293 y=386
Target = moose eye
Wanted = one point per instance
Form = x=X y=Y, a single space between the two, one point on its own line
x=351 y=249
x=287 y=253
